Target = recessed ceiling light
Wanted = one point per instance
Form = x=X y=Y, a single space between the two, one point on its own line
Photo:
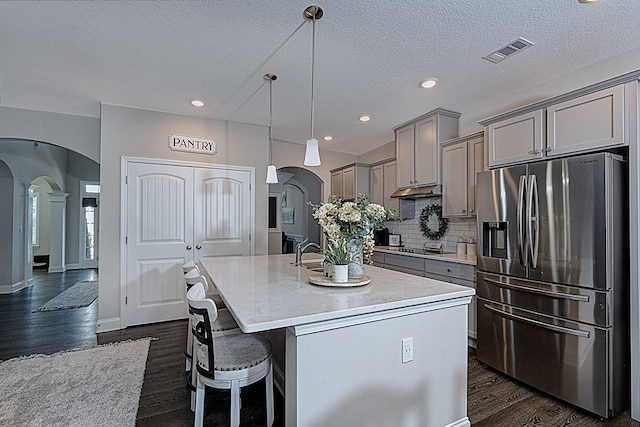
x=364 y=118
x=197 y=103
x=328 y=138
x=428 y=83
x=588 y=1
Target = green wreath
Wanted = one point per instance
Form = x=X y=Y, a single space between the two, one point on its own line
x=443 y=223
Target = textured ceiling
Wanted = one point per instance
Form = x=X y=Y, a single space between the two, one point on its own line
x=70 y=56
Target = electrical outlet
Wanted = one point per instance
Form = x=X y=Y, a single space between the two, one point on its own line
x=407 y=349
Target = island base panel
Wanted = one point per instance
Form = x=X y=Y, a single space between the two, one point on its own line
x=354 y=375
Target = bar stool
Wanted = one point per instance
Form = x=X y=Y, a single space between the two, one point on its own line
x=227 y=362
x=225 y=323
x=193 y=275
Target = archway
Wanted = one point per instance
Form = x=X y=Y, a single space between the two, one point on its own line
x=60 y=171
x=305 y=187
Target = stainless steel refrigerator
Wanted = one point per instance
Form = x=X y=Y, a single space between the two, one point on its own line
x=553 y=281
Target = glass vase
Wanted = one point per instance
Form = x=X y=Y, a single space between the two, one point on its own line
x=356 y=269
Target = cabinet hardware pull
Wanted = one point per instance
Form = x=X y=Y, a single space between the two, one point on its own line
x=198 y=247
x=188 y=247
x=534 y=152
x=548 y=149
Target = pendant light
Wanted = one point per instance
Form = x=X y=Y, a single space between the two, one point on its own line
x=272 y=175
x=312 y=153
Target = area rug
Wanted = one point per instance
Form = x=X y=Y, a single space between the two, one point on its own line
x=79 y=295
x=99 y=386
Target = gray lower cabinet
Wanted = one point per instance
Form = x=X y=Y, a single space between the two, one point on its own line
x=404 y=264
x=445 y=271
x=460 y=274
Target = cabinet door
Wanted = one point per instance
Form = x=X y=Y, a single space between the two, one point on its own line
x=588 y=122
x=475 y=161
x=336 y=183
x=454 y=180
x=405 y=156
x=377 y=185
x=390 y=185
x=516 y=140
x=349 y=183
x=426 y=153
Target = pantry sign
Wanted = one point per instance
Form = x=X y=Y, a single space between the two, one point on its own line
x=193 y=144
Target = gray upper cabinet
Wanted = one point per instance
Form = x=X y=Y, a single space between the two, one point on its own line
x=350 y=180
x=462 y=159
x=383 y=184
x=588 y=122
x=417 y=147
x=517 y=139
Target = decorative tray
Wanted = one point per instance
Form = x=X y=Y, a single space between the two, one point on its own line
x=322 y=280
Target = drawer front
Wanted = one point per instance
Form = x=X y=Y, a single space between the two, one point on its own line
x=377 y=258
x=405 y=270
x=451 y=269
x=404 y=261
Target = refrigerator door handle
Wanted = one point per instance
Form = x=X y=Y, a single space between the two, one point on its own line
x=522 y=243
x=555 y=328
x=581 y=298
x=533 y=229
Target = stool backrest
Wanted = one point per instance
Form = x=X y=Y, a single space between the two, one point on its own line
x=200 y=305
x=188 y=266
x=191 y=278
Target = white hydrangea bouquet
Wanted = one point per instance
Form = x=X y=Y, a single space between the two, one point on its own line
x=352 y=222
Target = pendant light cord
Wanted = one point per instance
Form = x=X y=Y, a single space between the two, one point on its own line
x=313 y=63
x=270 y=122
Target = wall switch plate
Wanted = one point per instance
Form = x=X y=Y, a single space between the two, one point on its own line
x=407 y=349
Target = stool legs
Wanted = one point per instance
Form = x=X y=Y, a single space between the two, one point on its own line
x=269 y=396
x=199 y=415
x=188 y=351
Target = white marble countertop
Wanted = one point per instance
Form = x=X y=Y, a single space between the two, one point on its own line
x=268 y=292
x=460 y=259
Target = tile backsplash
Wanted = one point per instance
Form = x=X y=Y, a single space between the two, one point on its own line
x=412 y=237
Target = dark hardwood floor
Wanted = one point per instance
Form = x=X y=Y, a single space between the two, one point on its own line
x=25 y=332
x=493 y=399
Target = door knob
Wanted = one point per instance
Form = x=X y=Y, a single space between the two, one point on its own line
x=188 y=247
x=198 y=247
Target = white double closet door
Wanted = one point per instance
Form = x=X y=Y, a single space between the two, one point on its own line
x=176 y=213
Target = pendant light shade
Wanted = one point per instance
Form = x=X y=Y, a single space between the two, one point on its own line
x=312 y=153
x=272 y=175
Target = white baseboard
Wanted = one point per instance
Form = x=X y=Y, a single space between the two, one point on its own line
x=9 y=289
x=462 y=422
x=56 y=270
x=106 y=325
x=74 y=266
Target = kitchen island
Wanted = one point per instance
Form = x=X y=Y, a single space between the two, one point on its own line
x=344 y=347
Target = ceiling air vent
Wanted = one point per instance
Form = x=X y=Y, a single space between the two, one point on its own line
x=515 y=46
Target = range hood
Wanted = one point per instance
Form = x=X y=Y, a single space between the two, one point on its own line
x=418 y=192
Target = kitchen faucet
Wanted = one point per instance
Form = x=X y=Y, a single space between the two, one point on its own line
x=301 y=247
